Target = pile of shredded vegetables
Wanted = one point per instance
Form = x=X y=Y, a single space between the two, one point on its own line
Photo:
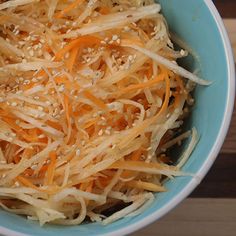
x=91 y=100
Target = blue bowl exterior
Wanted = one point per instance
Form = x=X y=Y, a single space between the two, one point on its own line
x=193 y=22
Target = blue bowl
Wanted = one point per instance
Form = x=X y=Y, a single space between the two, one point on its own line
x=198 y=23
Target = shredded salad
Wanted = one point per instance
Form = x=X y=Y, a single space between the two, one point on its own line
x=91 y=100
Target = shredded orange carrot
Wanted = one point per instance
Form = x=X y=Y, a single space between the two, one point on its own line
x=27 y=153
x=71 y=61
x=67 y=110
x=142 y=85
x=146 y=186
x=17 y=159
x=104 y=10
x=76 y=43
x=26 y=182
x=51 y=168
x=95 y=100
x=90 y=123
x=68 y=9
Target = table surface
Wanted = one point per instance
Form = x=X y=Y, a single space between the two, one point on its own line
x=211 y=208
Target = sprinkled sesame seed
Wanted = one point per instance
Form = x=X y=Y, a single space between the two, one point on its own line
x=114 y=37
x=34 y=167
x=61 y=88
x=67 y=55
x=182 y=52
x=31 y=53
x=40 y=108
x=108 y=132
x=14 y=104
x=77 y=152
x=100 y=133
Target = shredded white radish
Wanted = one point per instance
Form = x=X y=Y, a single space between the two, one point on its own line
x=189 y=149
x=172 y=66
x=15 y=3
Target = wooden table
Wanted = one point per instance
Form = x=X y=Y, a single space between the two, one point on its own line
x=211 y=208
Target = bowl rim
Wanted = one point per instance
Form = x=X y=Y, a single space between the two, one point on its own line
x=214 y=150
x=218 y=142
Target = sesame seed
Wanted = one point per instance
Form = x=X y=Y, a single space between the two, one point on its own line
x=17 y=184
x=114 y=37
x=83 y=143
x=40 y=108
x=36 y=97
x=48 y=103
x=182 y=52
x=34 y=80
x=34 y=167
x=41 y=136
x=100 y=133
x=61 y=88
x=35 y=47
x=27 y=82
x=126 y=29
x=77 y=152
x=14 y=104
x=108 y=132
x=31 y=53
x=67 y=55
